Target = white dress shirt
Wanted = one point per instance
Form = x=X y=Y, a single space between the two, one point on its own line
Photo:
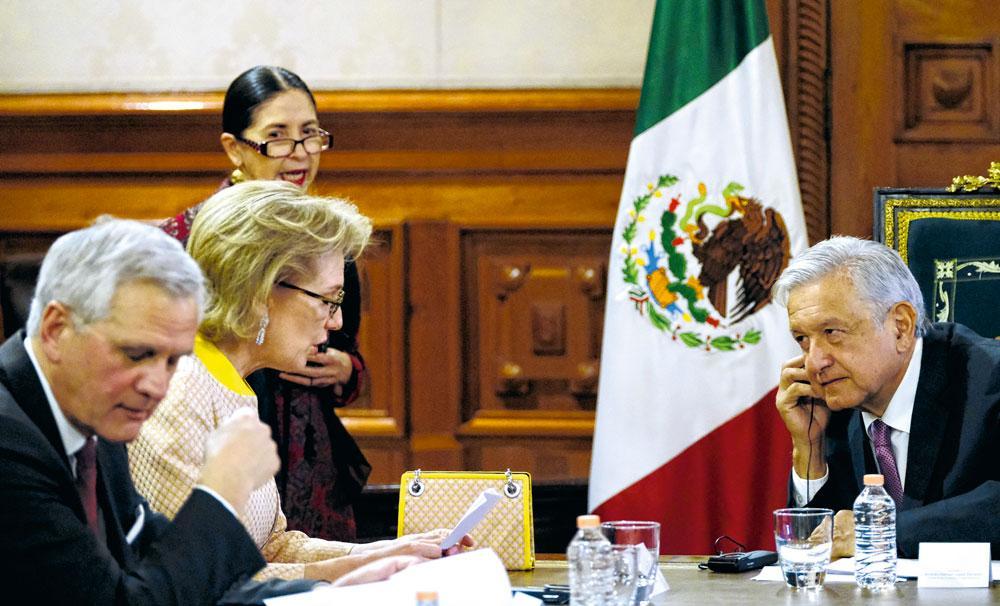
x=72 y=439
x=897 y=415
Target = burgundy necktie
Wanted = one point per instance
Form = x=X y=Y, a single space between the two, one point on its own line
x=86 y=481
x=887 y=460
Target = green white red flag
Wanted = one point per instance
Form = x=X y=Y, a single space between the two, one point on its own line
x=710 y=214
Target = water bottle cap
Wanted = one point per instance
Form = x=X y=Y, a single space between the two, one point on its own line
x=588 y=521
x=874 y=479
x=426 y=596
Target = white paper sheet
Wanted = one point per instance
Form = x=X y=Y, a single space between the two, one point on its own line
x=645 y=562
x=473 y=516
x=475 y=577
x=523 y=599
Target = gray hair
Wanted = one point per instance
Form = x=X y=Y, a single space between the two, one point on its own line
x=83 y=269
x=876 y=271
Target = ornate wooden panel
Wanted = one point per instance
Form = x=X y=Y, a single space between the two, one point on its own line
x=533 y=304
x=806 y=91
x=949 y=91
x=913 y=98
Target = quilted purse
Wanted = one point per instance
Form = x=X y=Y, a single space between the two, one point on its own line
x=438 y=499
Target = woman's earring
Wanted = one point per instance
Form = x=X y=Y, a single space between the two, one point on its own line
x=237 y=176
x=264 y=320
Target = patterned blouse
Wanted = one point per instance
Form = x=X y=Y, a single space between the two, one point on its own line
x=166 y=459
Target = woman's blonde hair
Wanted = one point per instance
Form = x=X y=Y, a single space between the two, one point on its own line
x=250 y=236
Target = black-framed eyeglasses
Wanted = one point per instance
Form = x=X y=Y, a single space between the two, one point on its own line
x=282 y=148
x=334 y=303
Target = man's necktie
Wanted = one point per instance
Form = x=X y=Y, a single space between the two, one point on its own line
x=887 y=460
x=86 y=481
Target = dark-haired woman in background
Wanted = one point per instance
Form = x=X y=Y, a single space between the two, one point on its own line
x=271 y=132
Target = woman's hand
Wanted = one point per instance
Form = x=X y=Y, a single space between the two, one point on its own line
x=425 y=544
x=332 y=367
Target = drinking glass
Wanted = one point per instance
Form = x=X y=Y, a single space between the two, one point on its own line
x=646 y=537
x=624 y=575
x=804 y=538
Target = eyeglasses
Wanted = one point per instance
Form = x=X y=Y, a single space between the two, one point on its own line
x=282 y=148
x=334 y=303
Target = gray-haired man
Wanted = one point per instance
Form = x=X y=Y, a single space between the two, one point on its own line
x=116 y=305
x=878 y=389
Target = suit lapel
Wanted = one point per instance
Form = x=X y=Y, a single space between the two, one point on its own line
x=21 y=379
x=929 y=421
x=859 y=448
x=19 y=376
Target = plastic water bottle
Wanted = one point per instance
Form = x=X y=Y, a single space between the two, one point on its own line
x=874 y=536
x=591 y=564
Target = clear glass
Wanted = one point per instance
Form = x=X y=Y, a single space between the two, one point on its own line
x=646 y=537
x=625 y=575
x=804 y=538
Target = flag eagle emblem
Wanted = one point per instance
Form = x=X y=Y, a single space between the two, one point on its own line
x=694 y=306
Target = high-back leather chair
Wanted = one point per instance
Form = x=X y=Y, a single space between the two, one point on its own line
x=951 y=242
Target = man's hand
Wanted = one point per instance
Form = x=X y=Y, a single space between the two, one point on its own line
x=797 y=401
x=379 y=570
x=422 y=547
x=332 y=367
x=239 y=456
x=843 y=534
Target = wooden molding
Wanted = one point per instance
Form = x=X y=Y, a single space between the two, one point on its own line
x=377 y=426
x=406 y=101
x=808 y=94
x=563 y=425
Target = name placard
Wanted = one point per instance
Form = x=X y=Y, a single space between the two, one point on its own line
x=954 y=565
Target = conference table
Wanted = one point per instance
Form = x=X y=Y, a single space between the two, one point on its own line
x=689 y=585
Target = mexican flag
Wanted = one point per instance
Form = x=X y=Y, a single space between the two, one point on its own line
x=710 y=214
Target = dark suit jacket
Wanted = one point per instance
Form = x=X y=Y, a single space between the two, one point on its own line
x=952 y=486
x=48 y=554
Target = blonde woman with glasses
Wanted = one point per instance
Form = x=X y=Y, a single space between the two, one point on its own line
x=273 y=258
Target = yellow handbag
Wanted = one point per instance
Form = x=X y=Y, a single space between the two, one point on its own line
x=438 y=499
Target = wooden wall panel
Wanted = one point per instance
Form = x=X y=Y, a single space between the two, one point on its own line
x=377 y=419
x=806 y=94
x=429 y=169
x=434 y=345
x=533 y=307
x=914 y=98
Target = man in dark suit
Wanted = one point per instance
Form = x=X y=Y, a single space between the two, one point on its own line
x=878 y=389
x=115 y=307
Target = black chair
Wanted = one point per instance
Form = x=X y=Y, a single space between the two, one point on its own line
x=951 y=242
x=18 y=274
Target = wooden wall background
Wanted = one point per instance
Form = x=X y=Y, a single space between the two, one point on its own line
x=484 y=297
